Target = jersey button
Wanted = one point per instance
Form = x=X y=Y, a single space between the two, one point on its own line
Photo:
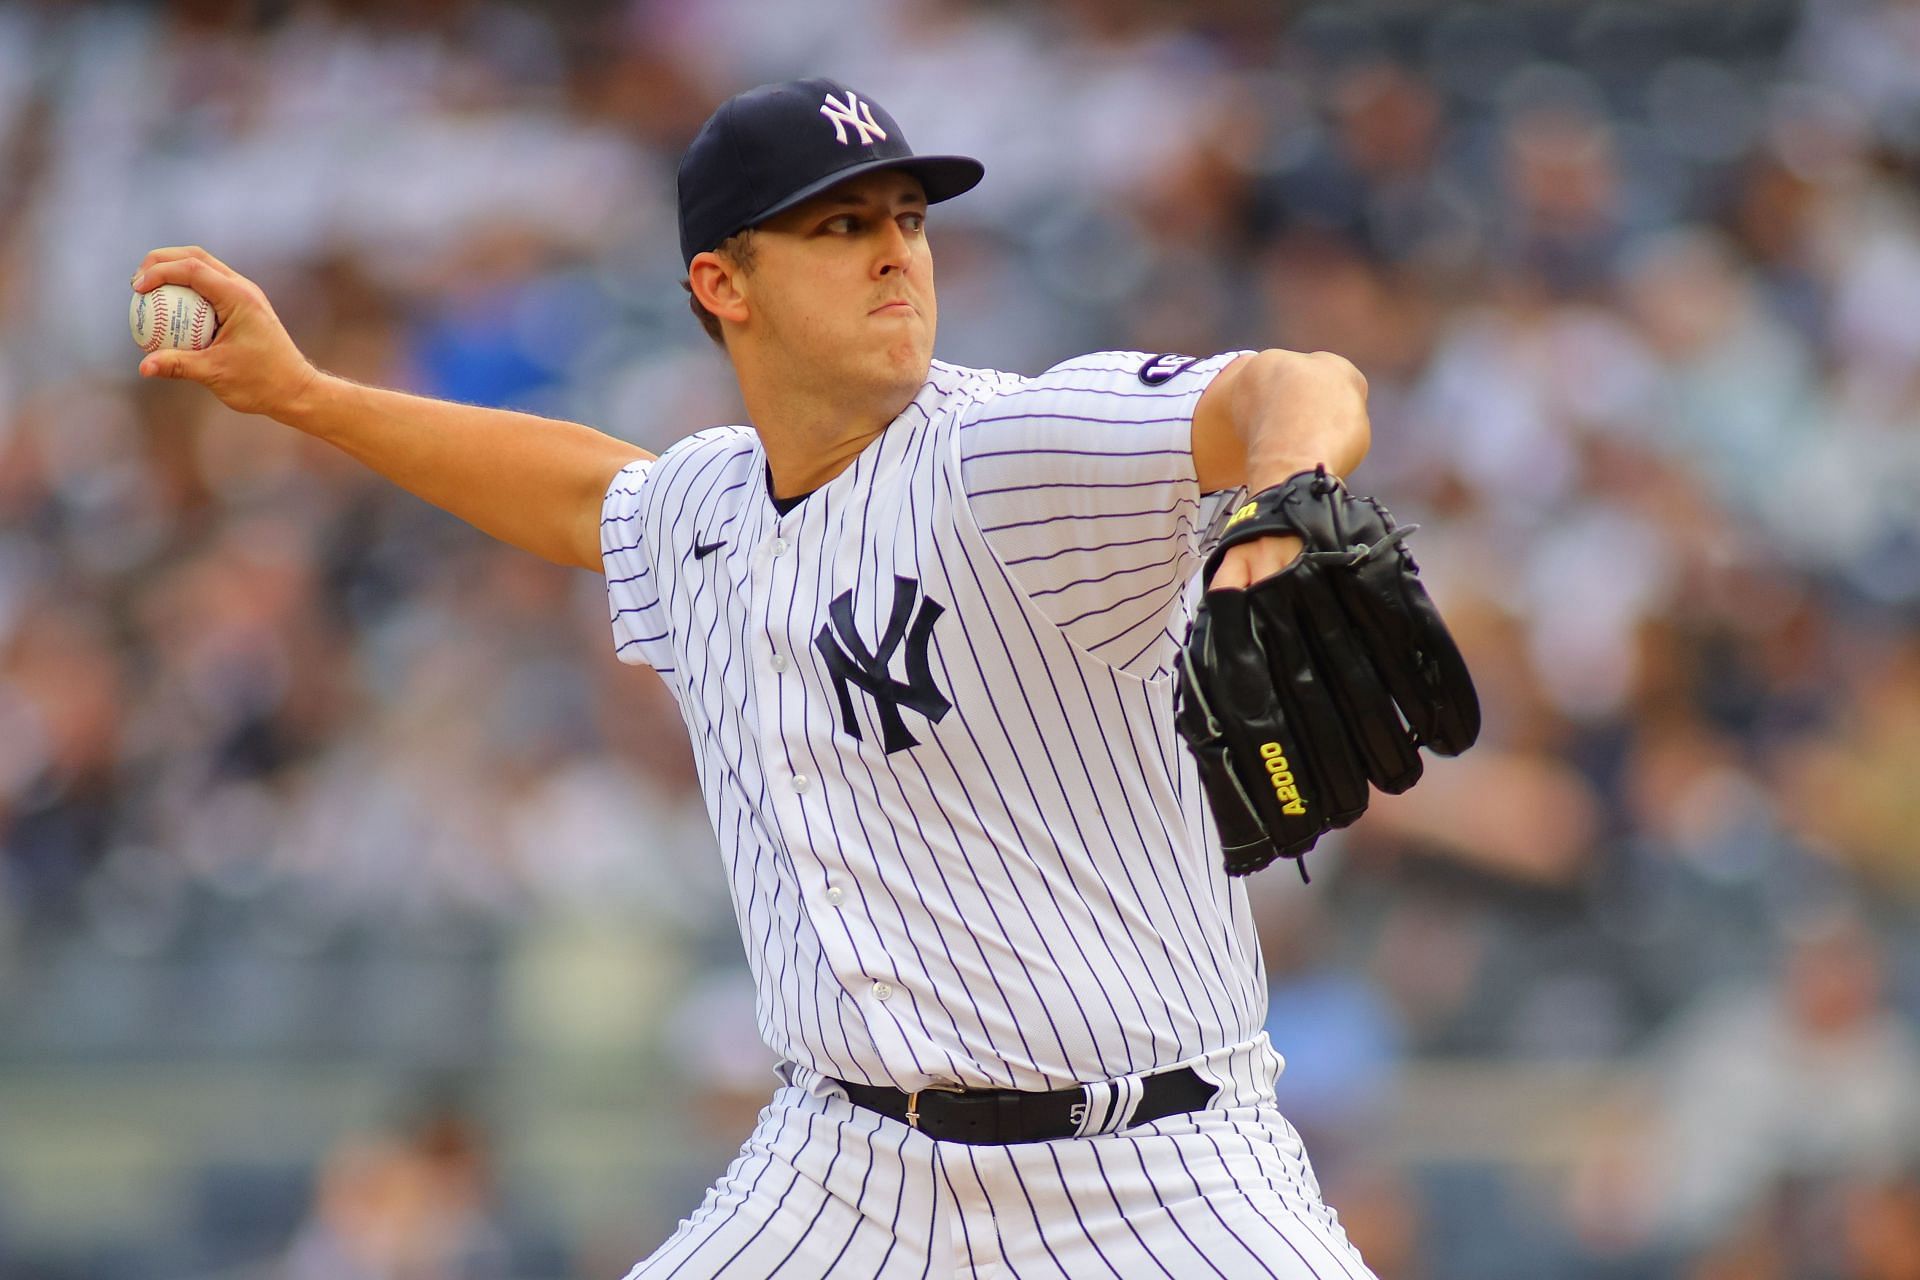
x=801 y=782
x=779 y=663
x=883 y=991
x=780 y=547
x=836 y=895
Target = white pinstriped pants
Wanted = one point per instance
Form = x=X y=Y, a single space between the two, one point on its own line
x=823 y=1188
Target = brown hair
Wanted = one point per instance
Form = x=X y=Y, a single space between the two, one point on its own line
x=737 y=249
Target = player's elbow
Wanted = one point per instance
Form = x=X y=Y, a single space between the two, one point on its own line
x=1335 y=387
x=1351 y=389
x=1343 y=372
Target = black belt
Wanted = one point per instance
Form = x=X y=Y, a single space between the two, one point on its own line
x=1003 y=1116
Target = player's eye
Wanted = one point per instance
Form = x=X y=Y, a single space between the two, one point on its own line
x=913 y=221
x=845 y=222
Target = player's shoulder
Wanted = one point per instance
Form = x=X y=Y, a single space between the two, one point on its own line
x=692 y=469
x=1121 y=370
x=953 y=386
x=1141 y=374
x=711 y=441
x=703 y=451
x=1100 y=386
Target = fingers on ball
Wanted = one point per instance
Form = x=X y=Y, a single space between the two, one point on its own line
x=189 y=265
x=186 y=252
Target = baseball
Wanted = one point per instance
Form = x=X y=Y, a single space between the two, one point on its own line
x=172 y=315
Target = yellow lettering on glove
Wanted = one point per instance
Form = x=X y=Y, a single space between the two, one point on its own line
x=1241 y=513
x=1281 y=774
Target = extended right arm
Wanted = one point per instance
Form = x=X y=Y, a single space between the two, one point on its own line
x=532 y=482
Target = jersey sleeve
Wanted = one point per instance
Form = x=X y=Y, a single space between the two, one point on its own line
x=640 y=632
x=1082 y=481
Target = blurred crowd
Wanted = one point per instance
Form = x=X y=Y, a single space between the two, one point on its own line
x=1637 y=289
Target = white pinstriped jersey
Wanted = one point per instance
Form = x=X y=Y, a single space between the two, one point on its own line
x=932 y=709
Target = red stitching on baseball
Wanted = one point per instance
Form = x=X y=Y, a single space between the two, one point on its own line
x=158 y=311
x=200 y=315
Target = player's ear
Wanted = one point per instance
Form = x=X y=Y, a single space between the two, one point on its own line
x=720 y=285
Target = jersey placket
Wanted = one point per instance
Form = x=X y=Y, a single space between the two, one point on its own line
x=784 y=694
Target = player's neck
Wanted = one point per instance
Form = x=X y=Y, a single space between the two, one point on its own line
x=810 y=439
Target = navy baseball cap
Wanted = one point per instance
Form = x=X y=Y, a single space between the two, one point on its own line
x=768 y=149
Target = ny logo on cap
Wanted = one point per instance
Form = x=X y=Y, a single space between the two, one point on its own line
x=852 y=112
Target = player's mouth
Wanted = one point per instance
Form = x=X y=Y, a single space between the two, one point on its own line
x=895 y=307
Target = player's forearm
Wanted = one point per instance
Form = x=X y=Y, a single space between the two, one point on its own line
x=528 y=481
x=1294 y=411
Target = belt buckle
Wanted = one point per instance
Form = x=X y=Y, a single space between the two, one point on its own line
x=913 y=1101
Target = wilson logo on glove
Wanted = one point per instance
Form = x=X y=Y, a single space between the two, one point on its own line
x=1282 y=775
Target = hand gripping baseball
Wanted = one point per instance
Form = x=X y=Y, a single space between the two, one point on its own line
x=252 y=365
x=1298 y=691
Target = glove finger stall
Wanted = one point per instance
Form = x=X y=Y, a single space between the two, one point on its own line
x=1263 y=736
x=1366 y=707
x=1328 y=775
x=1244 y=842
x=1414 y=652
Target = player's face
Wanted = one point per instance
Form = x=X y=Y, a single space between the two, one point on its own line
x=842 y=285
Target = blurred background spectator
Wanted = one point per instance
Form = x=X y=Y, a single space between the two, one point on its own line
x=308 y=792
x=415 y=1204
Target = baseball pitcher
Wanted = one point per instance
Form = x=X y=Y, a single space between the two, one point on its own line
x=984 y=759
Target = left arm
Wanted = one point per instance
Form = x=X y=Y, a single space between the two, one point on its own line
x=1266 y=417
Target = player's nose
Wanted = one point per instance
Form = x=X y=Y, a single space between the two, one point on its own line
x=895 y=251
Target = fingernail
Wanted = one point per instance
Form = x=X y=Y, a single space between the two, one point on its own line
x=136 y=279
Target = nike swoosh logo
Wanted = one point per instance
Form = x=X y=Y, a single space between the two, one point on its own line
x=701 y=550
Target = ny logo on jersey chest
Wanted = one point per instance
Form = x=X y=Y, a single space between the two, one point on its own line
x=851 y=664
